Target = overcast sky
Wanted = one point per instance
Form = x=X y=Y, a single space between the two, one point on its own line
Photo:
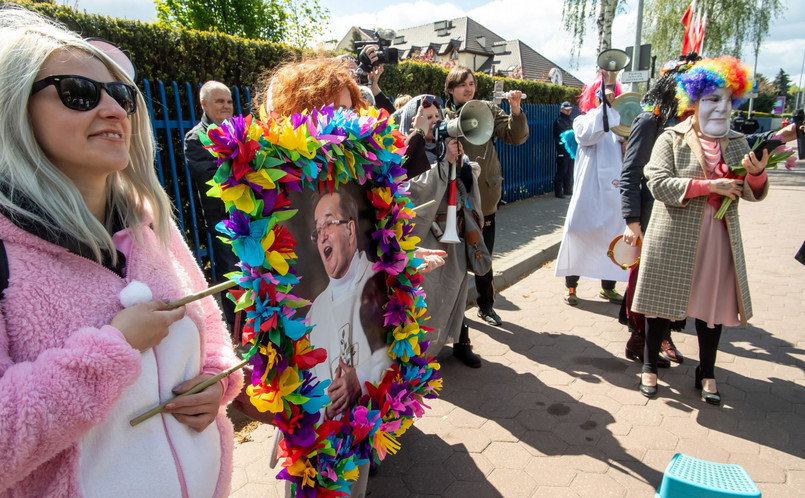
x=537 y=23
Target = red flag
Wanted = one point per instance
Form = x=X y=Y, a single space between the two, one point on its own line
x=687 y=17
x=694 y=23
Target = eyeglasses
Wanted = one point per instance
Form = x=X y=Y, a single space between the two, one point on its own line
x=430 y=100
x=83 y=94
x=325 y=227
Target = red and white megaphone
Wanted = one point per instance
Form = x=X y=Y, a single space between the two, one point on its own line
x=476 y=124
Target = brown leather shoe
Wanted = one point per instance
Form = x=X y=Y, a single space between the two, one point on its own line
x=668 y=350
x=634 y=351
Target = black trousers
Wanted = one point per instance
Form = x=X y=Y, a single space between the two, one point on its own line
x=484 y=284
x=573 y=281
x=563 y=180
x=657 y=329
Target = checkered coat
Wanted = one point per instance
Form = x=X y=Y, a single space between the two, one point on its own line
x=672 y=238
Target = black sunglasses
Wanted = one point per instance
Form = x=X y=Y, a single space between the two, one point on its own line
x=83 y=94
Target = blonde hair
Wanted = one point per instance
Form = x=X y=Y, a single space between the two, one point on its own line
x=134 y=194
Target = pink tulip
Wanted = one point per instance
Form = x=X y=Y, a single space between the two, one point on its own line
x=791 y=162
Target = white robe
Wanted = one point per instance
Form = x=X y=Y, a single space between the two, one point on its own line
x=594 y=216
x=336 y=316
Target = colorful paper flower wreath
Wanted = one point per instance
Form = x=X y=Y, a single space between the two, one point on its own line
x=259 y=162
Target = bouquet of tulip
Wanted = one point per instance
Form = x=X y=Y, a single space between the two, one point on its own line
x=781 y=155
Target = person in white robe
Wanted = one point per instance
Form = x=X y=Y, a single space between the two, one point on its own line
x=594 y=215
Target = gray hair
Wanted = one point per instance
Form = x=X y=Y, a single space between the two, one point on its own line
x=211 y=86
x=133 y=194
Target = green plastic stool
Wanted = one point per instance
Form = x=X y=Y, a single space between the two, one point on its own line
x=690 y=477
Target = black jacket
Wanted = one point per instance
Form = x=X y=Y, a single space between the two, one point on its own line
x=636 y=200
x=561 y=125
x=202 y=165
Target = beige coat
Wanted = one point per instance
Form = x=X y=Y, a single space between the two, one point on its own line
x=509 y=128
x=672 y=238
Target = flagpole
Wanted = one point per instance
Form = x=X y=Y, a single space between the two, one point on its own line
x=754 y=71
x=636 y=50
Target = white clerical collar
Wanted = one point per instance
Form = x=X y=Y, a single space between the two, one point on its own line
x=341 y=284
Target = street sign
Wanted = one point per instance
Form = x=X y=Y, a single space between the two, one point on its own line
x=752 y=95
x=634 y=76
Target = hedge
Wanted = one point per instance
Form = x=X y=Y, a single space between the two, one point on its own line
x=170 y=54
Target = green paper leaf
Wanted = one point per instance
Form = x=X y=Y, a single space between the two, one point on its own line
x=223 y=172
x=285 y=214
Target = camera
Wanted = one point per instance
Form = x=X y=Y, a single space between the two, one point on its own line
x=385 y=54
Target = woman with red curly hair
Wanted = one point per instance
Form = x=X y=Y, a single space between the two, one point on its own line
x=299 y=86
x=692 y=265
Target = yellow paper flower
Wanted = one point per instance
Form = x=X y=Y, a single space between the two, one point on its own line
x=269 y=397
x=270 y=355
x=302 y=468
x=241 y=195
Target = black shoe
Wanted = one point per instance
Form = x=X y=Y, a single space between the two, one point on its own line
x=490 y=317
x=464 y=353
x=708 y=397
x=559 y=196
x=647 y=391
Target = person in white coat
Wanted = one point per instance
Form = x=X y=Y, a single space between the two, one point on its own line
x=593 y=217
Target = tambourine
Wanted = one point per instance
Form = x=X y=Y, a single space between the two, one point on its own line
x=622 y=254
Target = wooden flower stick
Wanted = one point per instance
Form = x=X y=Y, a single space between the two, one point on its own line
x=193 y=390
x=206 y=383
x=215 y=289
x=424 y=205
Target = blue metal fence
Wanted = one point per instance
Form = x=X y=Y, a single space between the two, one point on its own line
x=528 y=169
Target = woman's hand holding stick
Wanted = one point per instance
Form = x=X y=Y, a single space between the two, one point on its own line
x=207 y=383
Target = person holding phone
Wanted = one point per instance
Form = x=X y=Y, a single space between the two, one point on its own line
x=692 y=265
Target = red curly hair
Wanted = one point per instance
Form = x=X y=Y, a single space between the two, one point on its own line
x=314 y=83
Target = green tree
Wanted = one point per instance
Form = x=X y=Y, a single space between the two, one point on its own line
x=767 y=95
x=782 y=82
x=576 y=14
x=305 y=19
x=290 y=21
x=731 y=24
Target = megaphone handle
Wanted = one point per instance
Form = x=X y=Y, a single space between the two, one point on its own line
x=441 y=150
x=606 y=117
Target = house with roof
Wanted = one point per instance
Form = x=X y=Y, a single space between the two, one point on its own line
x=465 y=42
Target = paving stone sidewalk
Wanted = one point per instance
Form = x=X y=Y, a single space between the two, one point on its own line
x=555 y=411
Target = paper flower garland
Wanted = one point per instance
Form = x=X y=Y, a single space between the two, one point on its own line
x=259 y=162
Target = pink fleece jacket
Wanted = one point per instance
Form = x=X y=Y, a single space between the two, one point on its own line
x=62 y=368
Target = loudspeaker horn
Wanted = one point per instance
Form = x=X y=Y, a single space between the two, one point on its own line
x=474 y=122
x=613 y=59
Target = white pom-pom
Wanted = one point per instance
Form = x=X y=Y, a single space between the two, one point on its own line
x=135 y=293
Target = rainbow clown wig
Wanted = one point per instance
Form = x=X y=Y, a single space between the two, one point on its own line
x=588 y=94
x=708 y=75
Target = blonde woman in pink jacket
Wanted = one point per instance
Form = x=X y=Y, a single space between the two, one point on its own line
x=92 y=253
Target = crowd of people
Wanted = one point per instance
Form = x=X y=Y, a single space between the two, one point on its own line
x=81 y=208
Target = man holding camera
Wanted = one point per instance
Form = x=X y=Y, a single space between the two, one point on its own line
x=369 y=67
x=512 y=129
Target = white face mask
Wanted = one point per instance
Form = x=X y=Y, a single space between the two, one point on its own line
x=713 y=113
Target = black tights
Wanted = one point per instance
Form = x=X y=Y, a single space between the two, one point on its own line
x=657 y=330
